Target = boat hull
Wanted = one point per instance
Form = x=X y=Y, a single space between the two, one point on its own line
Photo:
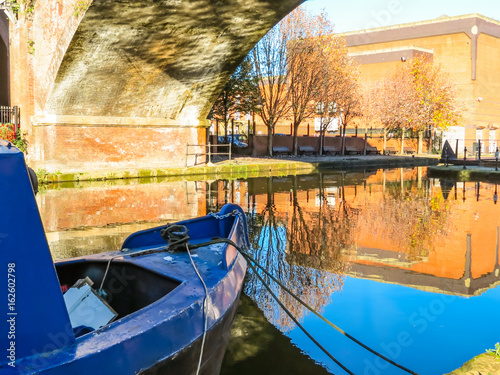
x=186 y=361
x=139 y=344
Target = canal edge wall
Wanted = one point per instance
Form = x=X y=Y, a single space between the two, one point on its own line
x=458 y=173
x=485 y=363
x=241 y=168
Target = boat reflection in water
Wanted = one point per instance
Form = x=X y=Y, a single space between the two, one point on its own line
x=406 y=264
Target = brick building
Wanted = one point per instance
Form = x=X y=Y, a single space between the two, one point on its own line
x=467 y=47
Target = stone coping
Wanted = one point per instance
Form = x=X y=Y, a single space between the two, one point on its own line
x=110 y=121
x=421 y=23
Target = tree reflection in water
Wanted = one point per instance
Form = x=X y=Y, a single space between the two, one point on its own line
x=309 y=246
x=278 y=240
x=408 y=217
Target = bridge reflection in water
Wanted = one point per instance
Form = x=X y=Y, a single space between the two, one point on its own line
x=407 y=264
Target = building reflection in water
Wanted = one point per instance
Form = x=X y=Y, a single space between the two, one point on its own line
x=390 y=225
x=318 y=234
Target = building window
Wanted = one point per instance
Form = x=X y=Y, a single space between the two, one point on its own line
x=492 y=141
x=479 y=134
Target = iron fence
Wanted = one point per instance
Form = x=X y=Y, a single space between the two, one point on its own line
x=473 y=148
x=10 y=115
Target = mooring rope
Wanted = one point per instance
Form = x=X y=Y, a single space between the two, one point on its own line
x=177 y=236
x=297 y=322
x=250 y=260
x=205 y=309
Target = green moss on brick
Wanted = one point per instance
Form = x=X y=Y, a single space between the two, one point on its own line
x=67 y=177
x=144 y=173
x=240 y=169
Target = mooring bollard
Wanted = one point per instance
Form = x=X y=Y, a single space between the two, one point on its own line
x=465 y=156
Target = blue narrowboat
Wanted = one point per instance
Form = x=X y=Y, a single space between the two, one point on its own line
x=164 y=303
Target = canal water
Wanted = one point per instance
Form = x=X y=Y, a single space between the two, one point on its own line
x=406 y=264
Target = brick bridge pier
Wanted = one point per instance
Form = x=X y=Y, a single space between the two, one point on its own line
x=125 y=84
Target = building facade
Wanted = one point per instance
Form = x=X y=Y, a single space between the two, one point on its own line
x=467 y=47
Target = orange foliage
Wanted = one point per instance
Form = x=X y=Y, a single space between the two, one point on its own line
x=418 y=94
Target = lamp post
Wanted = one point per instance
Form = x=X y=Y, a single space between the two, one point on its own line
x=496 y=160
x=465 y=156
x=320 y=111
x=495 y=195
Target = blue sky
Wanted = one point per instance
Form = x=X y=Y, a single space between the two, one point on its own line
x=350 y=15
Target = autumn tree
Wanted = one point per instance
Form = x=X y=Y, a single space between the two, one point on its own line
x=338 y=94
x=249 y=97
x=418 y=95
x=349 y=102
x=240 y=94
x=393 y=102
x=312 y=36
x=294 y=63
x=269 y=62
x=436 y=95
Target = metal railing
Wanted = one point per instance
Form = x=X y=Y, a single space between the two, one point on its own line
x=10 y=115
x=9 y=122
x=207 y=152
x=473 y=148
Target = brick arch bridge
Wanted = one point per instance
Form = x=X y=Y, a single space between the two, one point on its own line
x=114 y=84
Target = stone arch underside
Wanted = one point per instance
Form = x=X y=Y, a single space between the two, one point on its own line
x=165 y=59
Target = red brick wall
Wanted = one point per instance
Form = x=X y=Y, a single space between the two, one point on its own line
x=85 y=148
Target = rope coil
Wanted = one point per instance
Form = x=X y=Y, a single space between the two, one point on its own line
x=177 y=237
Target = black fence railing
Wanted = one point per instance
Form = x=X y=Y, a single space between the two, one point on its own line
x=10 y=115
x=9 y=122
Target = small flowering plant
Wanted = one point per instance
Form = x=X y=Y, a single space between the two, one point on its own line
x=8 y=132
